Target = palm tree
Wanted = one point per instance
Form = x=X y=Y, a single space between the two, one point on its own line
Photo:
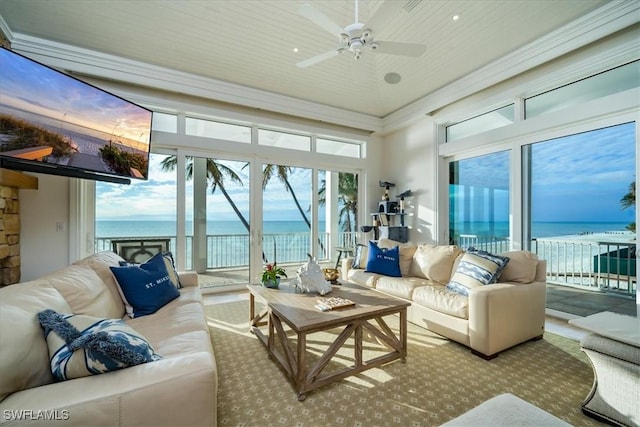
x=216 y=173
x=347 y=199
x=282 y=173
x=629 y=201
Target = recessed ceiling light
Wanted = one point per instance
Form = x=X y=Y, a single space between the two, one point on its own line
x=392 y=78
x=455 y=17
x=295 y=50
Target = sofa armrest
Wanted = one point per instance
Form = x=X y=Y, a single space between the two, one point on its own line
x=502 y=315
x=188 y=278
x=346 y=264
x=541 y=271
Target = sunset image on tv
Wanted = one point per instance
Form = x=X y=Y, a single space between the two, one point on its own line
x=50 y=117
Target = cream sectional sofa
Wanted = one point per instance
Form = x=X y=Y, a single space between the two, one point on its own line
x=490 y=319
x=178 y=390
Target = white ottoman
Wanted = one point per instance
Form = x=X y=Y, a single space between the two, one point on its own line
x=506 y=410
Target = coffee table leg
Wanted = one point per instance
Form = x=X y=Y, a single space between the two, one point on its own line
x=301 y=363
x=252 y=308
x=403 y=335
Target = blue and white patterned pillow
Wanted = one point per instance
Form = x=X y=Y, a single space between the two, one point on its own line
x=360 y=257
x=476 y=269
x=500 y=260
x=81 y=345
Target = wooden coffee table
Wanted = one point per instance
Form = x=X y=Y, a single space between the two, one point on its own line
x=290 y=313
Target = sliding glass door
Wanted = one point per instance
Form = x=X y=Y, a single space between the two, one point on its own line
x=218 y=220
x=479 y=202
x=287 y=224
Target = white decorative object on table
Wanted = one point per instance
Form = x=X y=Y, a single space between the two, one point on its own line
x=310 y=278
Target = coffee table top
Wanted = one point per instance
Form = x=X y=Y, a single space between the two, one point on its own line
x=299 y=312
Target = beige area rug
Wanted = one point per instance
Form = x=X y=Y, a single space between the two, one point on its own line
x=439 y=381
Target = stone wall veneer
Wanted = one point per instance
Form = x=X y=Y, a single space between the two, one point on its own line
x=9 y=235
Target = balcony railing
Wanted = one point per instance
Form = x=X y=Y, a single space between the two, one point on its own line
x=232 y=250
x=595 y=261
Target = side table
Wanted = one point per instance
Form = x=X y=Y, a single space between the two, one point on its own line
x=613 y=347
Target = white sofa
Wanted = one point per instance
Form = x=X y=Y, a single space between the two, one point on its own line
x=178 y=390
x=490 y=319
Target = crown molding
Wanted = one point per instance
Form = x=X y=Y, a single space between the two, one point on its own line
x=4 y=28
x=604 y=21
x=110 y=67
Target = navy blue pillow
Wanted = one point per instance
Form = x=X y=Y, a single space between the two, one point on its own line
x=384 y=261
x=160 y=259
x=145 y=288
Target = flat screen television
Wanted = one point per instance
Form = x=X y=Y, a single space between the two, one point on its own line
x=51 y=122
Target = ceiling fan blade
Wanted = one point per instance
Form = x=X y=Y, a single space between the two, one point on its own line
x=318 y=58
x=320 y=19
x=399 y=48
x=385 y=13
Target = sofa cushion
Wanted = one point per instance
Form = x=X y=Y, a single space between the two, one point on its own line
x=406 y=253
x=361 y=277
x=521 y=267
x=80 y=345
x=402 y=287
x=384 y=261
x=100 y=263
x=145 y=288
x=474 y=270
x=440 y=299
x=24 y=357
x=434 y=262
x=86 y=292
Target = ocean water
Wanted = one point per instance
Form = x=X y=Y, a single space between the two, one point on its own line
x=540 y=229
x=109 y=229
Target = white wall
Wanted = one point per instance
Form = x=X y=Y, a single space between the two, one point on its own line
x=410 y=161
x=44 y=248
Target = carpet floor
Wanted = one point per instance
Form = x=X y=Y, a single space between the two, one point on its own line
x=439 y=381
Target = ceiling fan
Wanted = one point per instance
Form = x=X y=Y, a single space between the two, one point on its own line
x=356 y=38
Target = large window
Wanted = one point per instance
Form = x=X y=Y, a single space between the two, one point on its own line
x=229 y=214
x=484 y=122
x=141 y=210
x=607 y=83
x=479 y=202
x=578 y=182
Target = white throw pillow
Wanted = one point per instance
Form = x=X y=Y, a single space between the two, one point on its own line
x=434 y=262
x=521 y=268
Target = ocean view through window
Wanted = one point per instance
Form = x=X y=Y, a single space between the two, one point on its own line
x=218 y=226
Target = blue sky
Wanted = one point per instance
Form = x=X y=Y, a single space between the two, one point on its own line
x=583 y=177
x=156 y=200
x=576 y=178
